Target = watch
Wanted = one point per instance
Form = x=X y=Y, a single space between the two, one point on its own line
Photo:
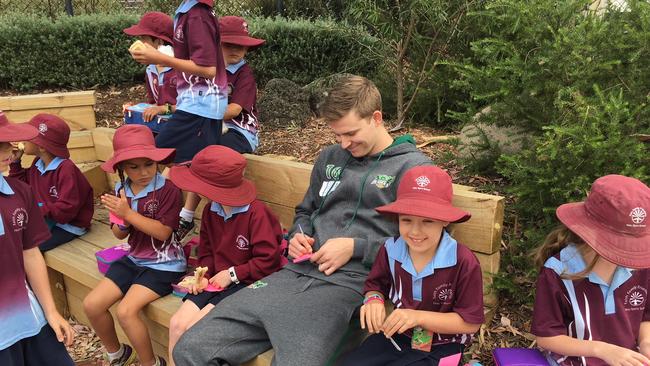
x=233 y=275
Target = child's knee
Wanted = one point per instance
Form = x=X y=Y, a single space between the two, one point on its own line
x=92 y=305
x=126 y=313
x=178 y=324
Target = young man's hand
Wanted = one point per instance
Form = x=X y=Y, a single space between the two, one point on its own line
x=221 y=279
x=333 y=254
x=62 y=328
x=399 y=321
x=372 y=315
x=300 y=245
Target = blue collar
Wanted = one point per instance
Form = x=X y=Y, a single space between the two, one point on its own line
x=186 y=6
x=218 y=209
x=154 y=70
x=4 y=186
x=445 y=255
x=53 y=165
x=156 y=183
x=234 y=67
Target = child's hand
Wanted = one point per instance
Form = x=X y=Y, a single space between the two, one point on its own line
x=196 y=289
x=373 y=314
x=151 y=112
x=399 y=321
x=62 y=329
x=221 y=279
x=16 y=153
x=118 y=205
x=619 y=356
x=300 y=244
x=147 y=55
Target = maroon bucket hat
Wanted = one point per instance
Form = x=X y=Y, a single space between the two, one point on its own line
x=216 y=172
x=133 y=142
x=11 y=132
x=426 y=191
x=613 y=220
x=154 y=24
x=53 y=134
x=234 y=30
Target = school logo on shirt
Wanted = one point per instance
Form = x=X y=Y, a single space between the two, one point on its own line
x=42 y=128
x=53 y=192
x=241 y=242
x=382 y=181
x=637 y=215
x=150 y=207
x=19 y=219
x=635 y=298
x=179 y=34
x=443 y=294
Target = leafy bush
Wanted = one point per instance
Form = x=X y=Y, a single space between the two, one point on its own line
x=88 y=50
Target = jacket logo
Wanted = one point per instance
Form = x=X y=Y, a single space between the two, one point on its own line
x=241 y=242
x=382 y=181
x=333 y=172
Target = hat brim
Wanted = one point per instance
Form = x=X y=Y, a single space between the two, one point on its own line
x=428 y=209
x=17 y=132
x=185 y=179
x=136 y=30
x=603 y=240
x=242 y=40
x=159 y=155
x=54 y=149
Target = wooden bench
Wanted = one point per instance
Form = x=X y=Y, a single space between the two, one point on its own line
x=281 y=184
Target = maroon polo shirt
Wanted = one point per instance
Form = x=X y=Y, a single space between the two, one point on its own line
x=451 y=282
x=65 y=193
x=249 y=241
x=161 y=86
x=610 y=313
x=242 y=89
x=162 y=204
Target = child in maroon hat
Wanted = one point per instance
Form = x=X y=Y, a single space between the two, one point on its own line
x=241 y=114
x=591 y=303
x=62 y=191
x=157 y=30
x=149 y=206
x=240 y=237
x=26 y=304
x=434 y=282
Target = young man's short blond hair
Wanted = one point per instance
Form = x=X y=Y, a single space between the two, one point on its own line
x=354 y=93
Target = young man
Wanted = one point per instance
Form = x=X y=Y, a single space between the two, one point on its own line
x=303 y=310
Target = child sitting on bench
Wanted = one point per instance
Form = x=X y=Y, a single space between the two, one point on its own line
x=434 y=282
x=149 y=206
x=240 y=237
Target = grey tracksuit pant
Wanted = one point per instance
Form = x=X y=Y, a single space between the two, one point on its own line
x=302 y=318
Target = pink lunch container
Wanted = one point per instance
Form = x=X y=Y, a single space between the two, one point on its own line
x=109 y=255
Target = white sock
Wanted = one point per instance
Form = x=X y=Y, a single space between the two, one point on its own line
x=186 y=214
x=117 y=354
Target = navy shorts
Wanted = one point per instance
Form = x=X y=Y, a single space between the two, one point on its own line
x=189 y=133
x=378 y=350
x=42 y=349
x=125 y=273
x=205 y=298
x=236 y=141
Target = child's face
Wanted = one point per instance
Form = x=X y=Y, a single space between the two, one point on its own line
x=140 y=171
x=30 y=148
x=151 y=41
x=233 y=53
x=6 y=155
x=422 y=235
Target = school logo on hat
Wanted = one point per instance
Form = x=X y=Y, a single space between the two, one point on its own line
x=635 y=298
x=638 y=215
x=422 y=181
x=241 y=242
x=42 y=128
x=20 y=219
x=382 y=181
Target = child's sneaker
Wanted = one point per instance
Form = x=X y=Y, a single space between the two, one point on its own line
x=161 y=361
x=127 y=358
x=184 y=228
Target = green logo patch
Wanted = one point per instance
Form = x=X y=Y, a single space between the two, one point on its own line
x=257 y=284
x=382 y=181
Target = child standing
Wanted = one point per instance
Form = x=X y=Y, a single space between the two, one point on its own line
x=241 y=114
x=62 y=191
x=149 y=205
x=240 y=237
x=157 y=30
x=591 y=293
x=26 y=304
x=434 y=282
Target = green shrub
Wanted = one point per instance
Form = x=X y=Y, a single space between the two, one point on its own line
x=88 y=50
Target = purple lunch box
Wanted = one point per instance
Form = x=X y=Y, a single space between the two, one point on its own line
x=518 y=357
x=109 y=255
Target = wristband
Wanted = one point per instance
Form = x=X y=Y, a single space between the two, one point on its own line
x=373 y=297
x=233 y=275
x=168 y=108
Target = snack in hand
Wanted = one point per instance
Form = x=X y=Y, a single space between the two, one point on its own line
x=137 y=45
x=188 y=281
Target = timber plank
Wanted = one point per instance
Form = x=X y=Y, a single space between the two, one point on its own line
x=103 y=141
x=50 y=100
x=78 y=118
x=95 y=176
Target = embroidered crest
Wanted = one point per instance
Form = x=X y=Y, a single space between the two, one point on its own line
x=19 y=219
x=53 y=192
x=638 y=215
x=382 y=181
x=422 y=181
x=241 y=242
x=42 y=128
x=635 y=298
x=443 y=294
x=333 y=172
x=150 y=207
x=257 y=284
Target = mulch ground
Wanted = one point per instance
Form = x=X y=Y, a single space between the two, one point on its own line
x=510 y=325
